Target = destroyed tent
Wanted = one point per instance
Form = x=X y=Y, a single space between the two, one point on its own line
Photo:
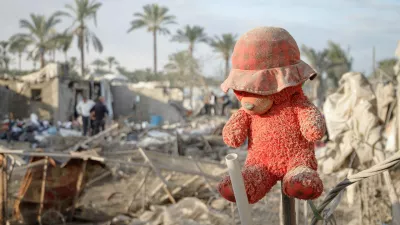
x=352 y=122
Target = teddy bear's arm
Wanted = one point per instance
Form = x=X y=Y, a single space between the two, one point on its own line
x=312 y=123
x=236 y=129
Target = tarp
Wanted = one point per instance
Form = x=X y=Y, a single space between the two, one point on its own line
x=352 y=119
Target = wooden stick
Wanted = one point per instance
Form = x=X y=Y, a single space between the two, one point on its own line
x=94 y=180
x=209 y=186
x=78 y=188
x=88 y=140
x=288 y=209
x=159 y=186
x=305 y=208
x=297 y=209
x=178 y=189
x=3 y=205
x=43 y=189
x=158 y=173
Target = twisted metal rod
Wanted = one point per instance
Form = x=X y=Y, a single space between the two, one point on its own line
x=374 y=170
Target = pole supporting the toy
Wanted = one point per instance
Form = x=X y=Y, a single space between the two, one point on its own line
x=238 y=189
x=289 y=210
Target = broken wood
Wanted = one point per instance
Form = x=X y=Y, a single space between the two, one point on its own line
x=102 y=159
x=3 y=191
x=158 y=173
x=87 y=141
x=157 y=189
x=209 y=186
x=178 y=189
x=78 y=188
x=43 y=189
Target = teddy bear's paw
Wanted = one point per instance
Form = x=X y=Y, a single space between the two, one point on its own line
x=257 y=182
x=302 y=183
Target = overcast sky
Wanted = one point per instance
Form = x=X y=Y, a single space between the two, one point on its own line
x=358 y=24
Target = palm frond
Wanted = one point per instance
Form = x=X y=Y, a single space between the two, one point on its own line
x=135 y=24
x=98 y=47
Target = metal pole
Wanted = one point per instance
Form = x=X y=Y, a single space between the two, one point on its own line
x=289 y=211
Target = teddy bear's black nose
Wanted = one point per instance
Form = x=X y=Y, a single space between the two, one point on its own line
x=248 y=106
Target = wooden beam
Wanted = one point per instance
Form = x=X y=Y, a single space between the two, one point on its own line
x=158 y=173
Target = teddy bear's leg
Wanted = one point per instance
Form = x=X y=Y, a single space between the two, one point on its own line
x=303 y=183
x=257 y=181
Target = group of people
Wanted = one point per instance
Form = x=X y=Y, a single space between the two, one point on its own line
x=214 y=105
x=93 y=115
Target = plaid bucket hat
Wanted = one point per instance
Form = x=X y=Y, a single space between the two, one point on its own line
x=266 y=60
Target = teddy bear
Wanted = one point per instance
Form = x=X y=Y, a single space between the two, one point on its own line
x=278 y=120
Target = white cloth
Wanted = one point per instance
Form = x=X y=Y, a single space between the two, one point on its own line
x=83 y=108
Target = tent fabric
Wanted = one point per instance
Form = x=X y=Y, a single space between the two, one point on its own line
x=352 y=119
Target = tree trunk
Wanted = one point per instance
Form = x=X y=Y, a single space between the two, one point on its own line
x=226 y=67
x=42 y=59
x=19 y=60
x=66 y=57
x=82 y=49
x=155 y=51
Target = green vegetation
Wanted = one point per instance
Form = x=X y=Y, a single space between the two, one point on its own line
x=40 y=40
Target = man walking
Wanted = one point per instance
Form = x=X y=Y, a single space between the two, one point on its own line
x=83 y=109
x=100 y=111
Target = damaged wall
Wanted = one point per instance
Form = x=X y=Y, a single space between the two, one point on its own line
x=21 y=102
x=124 y=99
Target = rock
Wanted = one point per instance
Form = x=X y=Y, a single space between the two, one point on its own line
x=219 y=204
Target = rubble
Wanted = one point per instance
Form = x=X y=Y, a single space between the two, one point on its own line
x=171 y=163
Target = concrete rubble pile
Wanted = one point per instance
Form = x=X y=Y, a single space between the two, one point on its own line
x=127 y=174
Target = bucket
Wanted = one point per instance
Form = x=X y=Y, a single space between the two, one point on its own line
x=155 y=120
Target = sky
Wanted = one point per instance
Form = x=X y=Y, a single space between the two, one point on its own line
x=356 y=24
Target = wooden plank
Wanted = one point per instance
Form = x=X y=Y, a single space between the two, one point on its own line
x=43 y=189
x=158 y=173
x=88 y=140
x=2 y=191
x=78 y=188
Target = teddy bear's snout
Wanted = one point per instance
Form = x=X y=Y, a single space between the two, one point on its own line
x=248 y=106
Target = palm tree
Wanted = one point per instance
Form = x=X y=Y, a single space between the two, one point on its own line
x=98 y=63
x=190 y=35
x=180 y=64
x=34 y=56
x=111 y=61
x=224 y=45
x=340 y=60
x=319 y=61
x=73 y=61
x=64 y=41
x=82 y=11
x=4 y=58
x=39 y=33
x=155 y=18
x=19 y=46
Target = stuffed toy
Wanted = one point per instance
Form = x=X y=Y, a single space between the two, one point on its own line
x=278 y=120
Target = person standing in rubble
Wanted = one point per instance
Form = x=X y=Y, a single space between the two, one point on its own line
x=213 y=104
x=83 y=109
x=225 y=103
x=99 y=111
